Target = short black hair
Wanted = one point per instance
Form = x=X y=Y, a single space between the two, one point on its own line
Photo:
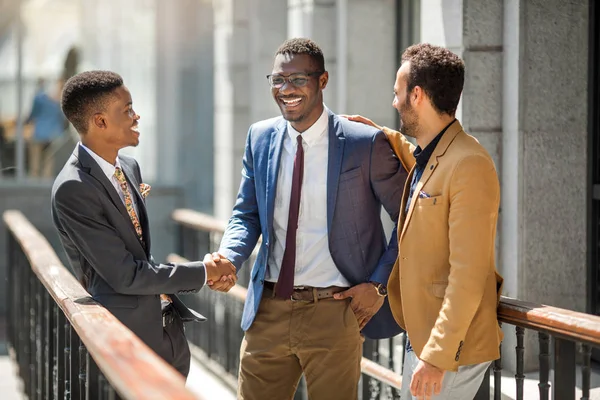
x=85 y=94
x=439 y=72
x=303 y=46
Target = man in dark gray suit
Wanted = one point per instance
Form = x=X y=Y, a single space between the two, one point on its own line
x=99 y=211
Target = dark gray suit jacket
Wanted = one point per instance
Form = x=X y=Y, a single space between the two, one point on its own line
x=105 y=253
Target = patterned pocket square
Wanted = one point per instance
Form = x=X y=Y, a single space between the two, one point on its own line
x=424 y=195
x=145 y=189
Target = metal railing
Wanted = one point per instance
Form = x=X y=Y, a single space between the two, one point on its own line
x=218 y=343
x=67 y=346
x=560 y=331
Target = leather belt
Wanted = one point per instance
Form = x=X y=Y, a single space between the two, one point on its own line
x=306 y=293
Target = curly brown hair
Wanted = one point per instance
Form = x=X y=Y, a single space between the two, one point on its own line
x=439 y=72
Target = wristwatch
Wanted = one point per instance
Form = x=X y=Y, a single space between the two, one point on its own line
x=381 y=289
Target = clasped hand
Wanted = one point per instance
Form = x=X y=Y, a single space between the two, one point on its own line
x=220 y=272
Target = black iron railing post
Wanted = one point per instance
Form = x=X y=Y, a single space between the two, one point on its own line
x=564 y=369
x=92 y=375
x=48 y=344
x=76 y=372
x=39 y=330
x=58 y=369
x=498 y=377
x=520 y=350
x=68 y=382
x=31 y=304
x=544 y=358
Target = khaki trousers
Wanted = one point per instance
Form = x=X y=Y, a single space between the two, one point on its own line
x=320 y=339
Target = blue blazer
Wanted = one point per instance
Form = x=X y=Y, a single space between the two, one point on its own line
x=362 y=175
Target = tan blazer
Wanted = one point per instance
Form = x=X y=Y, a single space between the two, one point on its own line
x=444 y=288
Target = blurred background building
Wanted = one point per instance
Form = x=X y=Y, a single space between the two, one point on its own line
x=196 y=69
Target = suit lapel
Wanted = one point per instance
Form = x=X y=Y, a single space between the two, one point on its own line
x=143 y=216
x=334 y=165
x=275 y=147
x=430 y=168
x=402 y=218
x=92 y=168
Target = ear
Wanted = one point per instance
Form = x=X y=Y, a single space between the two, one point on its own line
x=323 y=79
x=99 y=121
x=417 y=96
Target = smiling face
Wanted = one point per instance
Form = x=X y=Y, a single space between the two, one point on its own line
x=118 y=123
x=300 y=101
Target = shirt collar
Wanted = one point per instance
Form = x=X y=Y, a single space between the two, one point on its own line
x=422 y=156
x=106 y=167
x=315 y=132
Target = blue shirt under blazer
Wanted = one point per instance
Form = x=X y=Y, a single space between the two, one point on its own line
x=362 y=175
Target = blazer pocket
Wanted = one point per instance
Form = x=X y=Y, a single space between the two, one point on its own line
x=438 y=289
x=429 y=201
x=116 y=300
x=347 y=175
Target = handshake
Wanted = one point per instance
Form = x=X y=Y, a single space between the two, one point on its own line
x=220 y=272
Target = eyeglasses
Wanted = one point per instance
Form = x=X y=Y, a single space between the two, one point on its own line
x=299 y=79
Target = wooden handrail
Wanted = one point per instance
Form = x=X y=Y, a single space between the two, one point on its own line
x=368 y=367
x=572 y=325
x=131 y=367
x=199 y=221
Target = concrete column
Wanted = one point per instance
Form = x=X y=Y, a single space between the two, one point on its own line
x=126 y=46
x=247 y=35
x=371 y=61
x=473 y=30
x=543 y=239
x=268 y=30
x=361 y=67
x=317 y=20
x=232 y=105
x=184 y=101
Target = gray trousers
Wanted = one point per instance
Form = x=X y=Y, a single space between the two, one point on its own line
x=460 y=385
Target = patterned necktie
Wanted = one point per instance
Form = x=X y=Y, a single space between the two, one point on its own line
x=128 y=202
x=285 y=283
x=134 y=218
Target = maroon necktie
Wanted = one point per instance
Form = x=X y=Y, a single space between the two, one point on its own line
x=285 y=284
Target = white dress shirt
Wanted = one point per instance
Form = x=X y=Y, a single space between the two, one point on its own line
x=109 y=171
x=314 y=265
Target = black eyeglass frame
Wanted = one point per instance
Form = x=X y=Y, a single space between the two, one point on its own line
x=289 y=78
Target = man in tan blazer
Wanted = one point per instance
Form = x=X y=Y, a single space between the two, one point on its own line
x=444 y=288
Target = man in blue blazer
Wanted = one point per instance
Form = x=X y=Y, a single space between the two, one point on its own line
x=312 y=185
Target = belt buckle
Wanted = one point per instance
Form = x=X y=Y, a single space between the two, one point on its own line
x=299 y=300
